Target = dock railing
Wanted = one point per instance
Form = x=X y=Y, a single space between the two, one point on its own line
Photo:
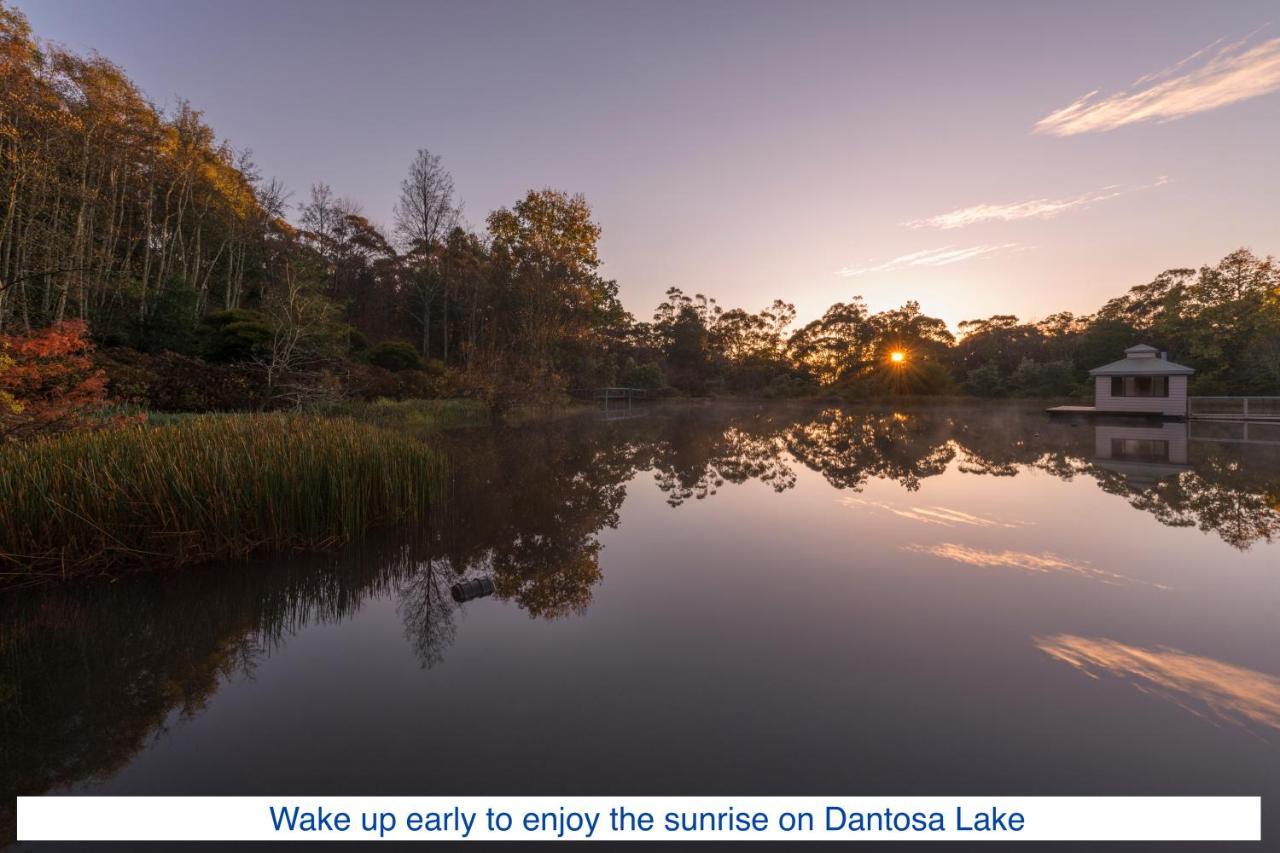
x=1235 y=408
x=608 y=394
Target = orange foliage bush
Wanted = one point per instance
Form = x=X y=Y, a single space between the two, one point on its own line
x=48 y=382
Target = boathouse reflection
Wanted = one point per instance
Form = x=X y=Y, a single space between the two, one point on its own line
x=1144 y=453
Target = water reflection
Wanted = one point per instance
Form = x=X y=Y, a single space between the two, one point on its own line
x=1232 y=490
x=1216 y=477
x=1143 y=454
x=1204 y=686
x=1042 y=563
x=939 y=515
x=91 y=676
x=850 y=448
x=695 y=463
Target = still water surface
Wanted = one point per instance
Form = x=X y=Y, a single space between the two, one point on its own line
x=710 y=600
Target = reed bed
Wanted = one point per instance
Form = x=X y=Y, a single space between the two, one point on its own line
x=202 y=488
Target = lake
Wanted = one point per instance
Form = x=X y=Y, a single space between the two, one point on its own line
x=710 y=599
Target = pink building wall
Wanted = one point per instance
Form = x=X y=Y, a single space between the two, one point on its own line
x=1174 y=405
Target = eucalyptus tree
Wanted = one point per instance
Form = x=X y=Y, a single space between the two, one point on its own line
x=426 y=212
x=837 y=345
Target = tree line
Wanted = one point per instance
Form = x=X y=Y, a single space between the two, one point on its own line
x=140 y=225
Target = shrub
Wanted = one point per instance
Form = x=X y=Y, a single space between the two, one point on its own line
x=395 y=355
x=9 y=404
x=370 y=382
x=1050 y=379
x=235 y=335
x=647 y=375
x=357 y=341
x=171 y=382
x=48 y=382
x=788 y=385
x=985 y=381
x=202 y=488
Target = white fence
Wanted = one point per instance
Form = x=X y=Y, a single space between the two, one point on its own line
x=1235 y=408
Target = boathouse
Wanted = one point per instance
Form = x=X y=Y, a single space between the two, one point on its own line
x=1143 y=382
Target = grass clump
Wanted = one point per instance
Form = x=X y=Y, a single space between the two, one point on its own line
x=202 y=488
x=415 y=417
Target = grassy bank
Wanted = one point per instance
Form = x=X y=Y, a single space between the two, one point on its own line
x=413 y=417
x=422 y=418
x=202 y=488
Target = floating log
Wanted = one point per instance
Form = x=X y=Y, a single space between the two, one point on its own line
x=474 y=588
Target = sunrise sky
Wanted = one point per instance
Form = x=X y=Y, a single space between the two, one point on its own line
x=979 y=157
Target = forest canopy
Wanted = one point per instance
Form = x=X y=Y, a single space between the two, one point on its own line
x=191 y=270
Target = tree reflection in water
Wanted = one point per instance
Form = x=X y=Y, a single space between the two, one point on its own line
x=1224 y=494
x=90 y=675
x=525 y=506
x=1230 y=490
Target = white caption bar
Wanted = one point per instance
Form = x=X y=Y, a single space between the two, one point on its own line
x=635 y=818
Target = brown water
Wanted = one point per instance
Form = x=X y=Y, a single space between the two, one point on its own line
x=710 y=600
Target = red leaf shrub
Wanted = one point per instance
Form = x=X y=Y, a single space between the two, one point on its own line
x=48 y=382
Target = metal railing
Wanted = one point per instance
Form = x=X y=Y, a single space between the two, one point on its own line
x=621 y=393
x=1235 y=408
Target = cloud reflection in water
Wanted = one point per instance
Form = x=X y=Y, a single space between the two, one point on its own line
x=1209 y=688
x=941 y=515
x=1045 y=562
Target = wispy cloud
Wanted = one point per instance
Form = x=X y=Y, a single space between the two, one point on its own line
x=1209 y=688
x=939 y=257
x=1212 y=77
x=1043 y=563
x=1039 y=208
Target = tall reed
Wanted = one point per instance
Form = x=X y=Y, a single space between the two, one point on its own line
x=202 y=488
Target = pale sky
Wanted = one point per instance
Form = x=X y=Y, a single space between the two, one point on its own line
x=981 y=157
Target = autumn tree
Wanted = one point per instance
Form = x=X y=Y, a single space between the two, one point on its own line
x=550 y=305
x=114 y=212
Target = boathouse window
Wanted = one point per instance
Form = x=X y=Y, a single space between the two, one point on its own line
x=1139 y=386
x=1140 y=449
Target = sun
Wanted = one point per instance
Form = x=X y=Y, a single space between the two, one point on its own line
x=897 y=356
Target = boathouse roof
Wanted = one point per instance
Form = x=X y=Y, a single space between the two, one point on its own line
x=1142 y=360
